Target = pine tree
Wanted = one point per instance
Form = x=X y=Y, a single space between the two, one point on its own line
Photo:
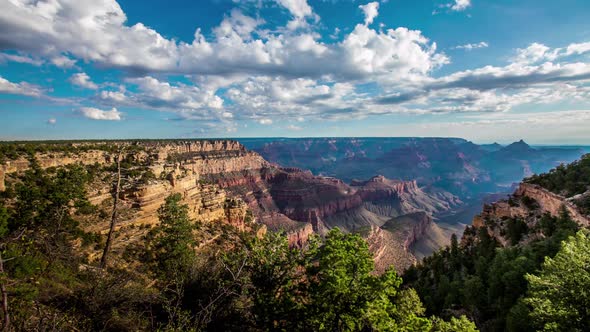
x=559 y=294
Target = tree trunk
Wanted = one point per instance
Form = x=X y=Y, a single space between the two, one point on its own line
x=5 y=313
x=107 y=247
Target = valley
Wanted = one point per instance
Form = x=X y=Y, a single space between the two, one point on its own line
x=337 y=183
x=457 y=171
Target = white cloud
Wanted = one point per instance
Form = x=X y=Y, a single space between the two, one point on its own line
x=52 y=121
x=285 y=72
x=98 y=114
x=21 y=88
x=265 y=121
x=461 y=5
x=4 y=57
x=578 y=48
x=456 y=6
x=83 y=80
x=534 y=53
x=99 y=34
x=113 y=96
x=336 y=33
x=371 y=10
x=294 y=127
x=297 y=8
x=187 y=101
x=473 y=46
x=63 y=61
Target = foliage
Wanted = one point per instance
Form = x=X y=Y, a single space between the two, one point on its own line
x=187 y=276
x=345 y=296
x=455 y=324
x=485 y=280
x=569 y=180
x=558 y=293
x=172 y=243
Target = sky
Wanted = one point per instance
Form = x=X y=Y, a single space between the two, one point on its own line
x=484 y=70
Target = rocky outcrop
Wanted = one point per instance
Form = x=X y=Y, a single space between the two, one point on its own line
x=413 y=227
x=298 y=237
x=550 y=202
x=544 y=200
x=528 y=203
x=178 y=167
x=388 y=251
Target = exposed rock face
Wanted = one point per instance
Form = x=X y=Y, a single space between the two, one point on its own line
x=191 y=161
x=550 y=202
x=388 y=251
x=455 y=165
x=540 y=201
x=414 y=227
x=547 y=201
x=52 y=160
x=300 y=236
x=392 y=243
x=221 y=181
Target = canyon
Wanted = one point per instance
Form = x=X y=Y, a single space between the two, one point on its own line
x=403 y=219
x=456 y=165
x=222 y=181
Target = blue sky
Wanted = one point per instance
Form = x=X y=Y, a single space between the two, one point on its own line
x=480 y=69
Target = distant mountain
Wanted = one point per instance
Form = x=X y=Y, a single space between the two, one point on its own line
x=457 y=165
x=518 y=147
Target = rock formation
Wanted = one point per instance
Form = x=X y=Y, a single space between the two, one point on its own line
x=221 y=181
x=528 y=203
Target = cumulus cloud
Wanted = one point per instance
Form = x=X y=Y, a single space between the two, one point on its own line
x=188 y=101
x=98 y=114
x=371 y=10
x=242 y=70
x=99 y=34
x=265 y=121
x=300 y=10
x=22 y=88
x=536 y=52
x=531 y=78
x=472 y=46
x=83 y=80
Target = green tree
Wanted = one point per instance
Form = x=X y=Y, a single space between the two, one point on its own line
x=346 y=296
x=172 y=242
x=4 y=218
x=558 y=294
x=461 y=324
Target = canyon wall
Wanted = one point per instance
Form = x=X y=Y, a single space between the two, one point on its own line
x=547 y=201
x=550 y=202
x=221 y=181
x=178 y=168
